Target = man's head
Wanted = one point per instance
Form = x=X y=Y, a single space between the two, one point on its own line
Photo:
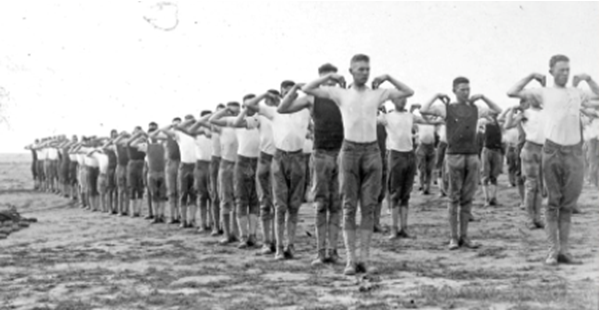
x=137 y=129
x=176 y=121
x=274 y=100
x=415 y=107
x=234 y=108
x=399 y=104
x=205 y=112
x=114 y=133
x=326 y=69
x=74 y=138
x=220 y=107
x=247 y=98
x=559 y=68
x=461 y=89
x=152 y=127
x=286 y=86
x=189 y=117
x=360 y=69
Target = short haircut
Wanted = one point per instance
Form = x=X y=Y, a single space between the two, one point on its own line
x=326 y=68
x=205 y=112
x=232 y=104
x=360 y=58
x=460 y=80
x=220 y=106
x=138 y=128
x=177 y=119
x=557 y=58
x=274 y=92
x=114 y=131
x=189 y=117
x=153 y=124
x=287 y=83
x=248 y=96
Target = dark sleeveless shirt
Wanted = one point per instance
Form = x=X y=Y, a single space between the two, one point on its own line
x=461 y=122
x=134 y=154
x=122 y=155
x=156 y=161
x=171 y=152
x=328 y=124
x=493 y=136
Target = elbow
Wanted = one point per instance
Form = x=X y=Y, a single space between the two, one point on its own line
x=282 y=110
x=512 y=94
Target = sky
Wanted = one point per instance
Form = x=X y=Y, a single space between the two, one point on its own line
x=86 y=67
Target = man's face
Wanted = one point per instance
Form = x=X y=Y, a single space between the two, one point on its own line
x=399 y=104
x=113 y=134
x=560 y=72
x=234 y=110
x=462 y=92
x=360 y=71
x=272 y=100
x=74 y=139
x=328 y=82
x=176 y=122
x=152 y=128
x=250 y=112
x=285 y=90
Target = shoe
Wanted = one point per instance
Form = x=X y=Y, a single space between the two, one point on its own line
x=567 y=259
x=332 y=256
x=243 y=244
x=203 y=229
x=539 y=224
x=468 y=244
x=361 y=268
x=377 y=229
x=216 y=233
x=532 y=226
x=227 y=240
x=123 y=214
x=551 y=261
x=319 y=259
x=453 y=245
x=493 y=202
x=266 y=250
x=252 y=241
x=183 y=225
x=394 y=235
x=288 y=252
x=350 y=269
x=280 y=254
x=404 y=234
x=155 y=221
x=149 y=217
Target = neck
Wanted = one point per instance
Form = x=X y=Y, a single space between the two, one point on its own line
x=558 y=86
x=358 y=86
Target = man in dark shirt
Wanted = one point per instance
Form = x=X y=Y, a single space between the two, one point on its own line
x=328 y=137
x=492 y=159
x=462 y=160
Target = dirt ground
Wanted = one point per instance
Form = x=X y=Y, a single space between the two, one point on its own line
x=75 y=259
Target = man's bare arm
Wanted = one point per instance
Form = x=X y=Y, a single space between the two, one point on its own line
x=512 y=120
x=254 y=103
x=292 y=103
x=240 y=121
x=401 y=90
x=426 y=108
x=313 y=88
x=517 y=91
x=216 y=118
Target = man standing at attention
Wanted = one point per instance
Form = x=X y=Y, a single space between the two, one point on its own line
x=425 y=154
x=531 y=121
x=463 y=164
x=361 y=163
x=226 y=179
x=172 y=155
x=264 y=185
x=328 y=137
x=288 y=167
x=562 y=151
x=246 y=197
x=402 y=163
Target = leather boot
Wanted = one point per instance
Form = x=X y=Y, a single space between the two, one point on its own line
x=464 y=240
x=564 y=255
x=349 y=237
x=243 y=221
x=551 y=229
x=453 y=232
x=395 y=223
x=364 y=262
x=403 y=232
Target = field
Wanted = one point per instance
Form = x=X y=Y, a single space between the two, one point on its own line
x=76 y=259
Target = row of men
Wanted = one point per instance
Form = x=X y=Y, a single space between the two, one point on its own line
x=241 y=155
